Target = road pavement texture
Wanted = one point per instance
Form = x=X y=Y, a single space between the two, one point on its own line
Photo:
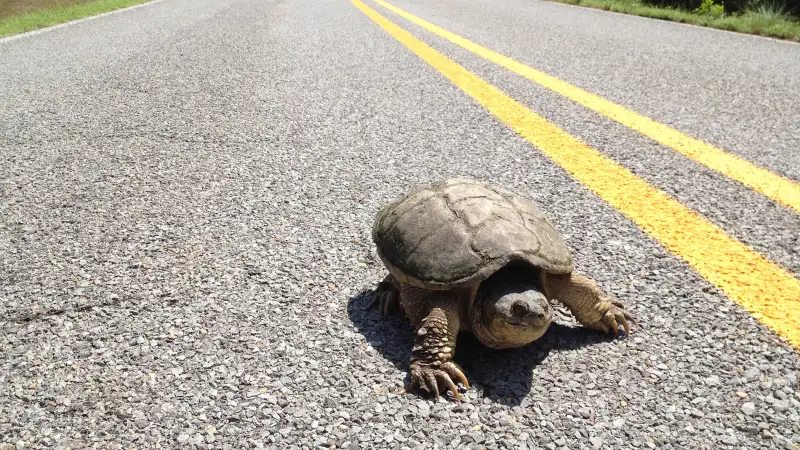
x=188 y=191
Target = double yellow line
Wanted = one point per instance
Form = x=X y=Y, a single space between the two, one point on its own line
x=765 y=289
x=780 y=189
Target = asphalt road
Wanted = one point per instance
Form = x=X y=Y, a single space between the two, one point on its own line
x=187 y=195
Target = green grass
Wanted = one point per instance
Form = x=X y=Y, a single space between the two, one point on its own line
x=53 y=12
x=764 y=21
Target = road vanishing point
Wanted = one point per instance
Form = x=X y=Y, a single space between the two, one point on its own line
x=187 y=191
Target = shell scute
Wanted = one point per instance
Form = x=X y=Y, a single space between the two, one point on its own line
x=458 y=192
x=413 y=222
x=397 y=209
x=447 y=254
x=501 y=237
x=478 y=210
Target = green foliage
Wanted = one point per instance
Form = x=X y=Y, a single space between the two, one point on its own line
x=709 y=8
x=763 y=21
x=52 y=16
x=774 y=7
x=686 y=5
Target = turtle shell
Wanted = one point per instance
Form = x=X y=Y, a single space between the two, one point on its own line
x=458 y=232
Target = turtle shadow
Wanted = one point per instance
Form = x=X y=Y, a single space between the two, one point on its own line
x=503 y=376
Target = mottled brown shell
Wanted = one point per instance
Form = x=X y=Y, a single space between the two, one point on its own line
x=458 y=232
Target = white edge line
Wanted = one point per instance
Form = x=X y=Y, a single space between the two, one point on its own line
x=74 y=22
x=737 y=33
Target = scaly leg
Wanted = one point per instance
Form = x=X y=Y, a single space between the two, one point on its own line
x=434 y=315
x=588 y=304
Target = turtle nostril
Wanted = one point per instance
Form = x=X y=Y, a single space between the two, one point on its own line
x=519 y=309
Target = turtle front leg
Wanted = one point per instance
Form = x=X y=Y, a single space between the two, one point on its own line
x=436 y=323
x=432 y=355
x=588 y=304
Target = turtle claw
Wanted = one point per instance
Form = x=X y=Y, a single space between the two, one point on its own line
x=454 y=371
x=429 y=378
x=615 y=317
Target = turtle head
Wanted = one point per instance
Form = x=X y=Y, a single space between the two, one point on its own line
x=510 y=309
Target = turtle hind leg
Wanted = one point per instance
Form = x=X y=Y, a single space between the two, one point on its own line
x=588 y=304
x=386 y=296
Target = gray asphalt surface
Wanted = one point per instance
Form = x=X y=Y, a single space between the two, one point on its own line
x=187 y=195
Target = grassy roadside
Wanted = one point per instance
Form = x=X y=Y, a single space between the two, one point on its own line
x=762 y=22
x=18 y=16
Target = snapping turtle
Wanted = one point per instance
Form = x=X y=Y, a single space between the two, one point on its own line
x=464 y=255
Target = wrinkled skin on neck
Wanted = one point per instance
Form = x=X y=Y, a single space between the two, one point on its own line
x=510 y=309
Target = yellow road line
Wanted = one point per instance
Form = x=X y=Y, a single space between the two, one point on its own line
x=765 y=289
x=783 y=190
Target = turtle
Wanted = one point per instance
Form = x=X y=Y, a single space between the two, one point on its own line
x=465 y=255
